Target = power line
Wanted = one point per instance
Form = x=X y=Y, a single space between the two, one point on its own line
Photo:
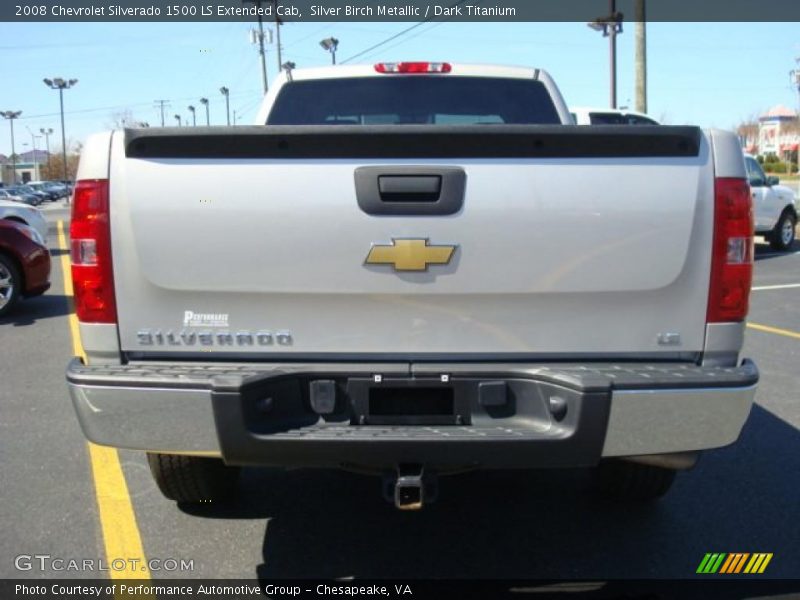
x=386 y=41
x=129 y=105
x=412 y=37
x=401 y=33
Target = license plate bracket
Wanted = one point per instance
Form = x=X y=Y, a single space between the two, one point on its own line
x=408 y=402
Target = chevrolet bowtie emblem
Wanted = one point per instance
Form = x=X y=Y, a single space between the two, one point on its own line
x=410 y=254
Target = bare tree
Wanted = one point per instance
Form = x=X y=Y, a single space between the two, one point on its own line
x=53 y=169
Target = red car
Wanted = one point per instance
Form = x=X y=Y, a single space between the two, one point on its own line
x=24 y=264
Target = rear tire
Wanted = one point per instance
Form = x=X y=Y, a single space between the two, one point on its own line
x=633 y=482
x=193 y=479
x=10 y=284
x=782 y=237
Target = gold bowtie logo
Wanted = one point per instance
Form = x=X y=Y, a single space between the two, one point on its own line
x=409 y=254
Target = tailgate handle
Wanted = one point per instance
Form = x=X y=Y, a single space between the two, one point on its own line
x=410 y=190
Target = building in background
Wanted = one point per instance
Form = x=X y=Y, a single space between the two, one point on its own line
x=29 y=167
x=777 y=132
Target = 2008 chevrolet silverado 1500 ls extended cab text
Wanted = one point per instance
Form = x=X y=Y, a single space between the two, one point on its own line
x=413 y=268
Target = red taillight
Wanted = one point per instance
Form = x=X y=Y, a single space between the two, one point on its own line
x=732 y=256
x=90 y=251
x=414 y=67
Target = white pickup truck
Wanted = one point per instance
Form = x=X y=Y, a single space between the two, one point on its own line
x=774 y=207
x=412 y=269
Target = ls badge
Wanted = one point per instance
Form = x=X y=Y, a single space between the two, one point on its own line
x=410 y=254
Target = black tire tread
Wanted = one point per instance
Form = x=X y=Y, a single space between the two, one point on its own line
x=192 y=479
x=775 y=236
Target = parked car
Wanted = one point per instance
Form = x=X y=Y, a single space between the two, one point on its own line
x=59 y=188
x=67 y=183
x=24 y=264
x=6 y=195
x=27 y=215
x=608 y=116
x=24 y=196
x=43 y=196
x=51 y=195
x=774 y=206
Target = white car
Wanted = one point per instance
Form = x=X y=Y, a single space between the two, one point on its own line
x=774 y=206
x=583 y=115
x=27 y=215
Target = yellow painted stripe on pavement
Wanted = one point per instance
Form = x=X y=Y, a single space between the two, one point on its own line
x=117 y=519
x=775 y=330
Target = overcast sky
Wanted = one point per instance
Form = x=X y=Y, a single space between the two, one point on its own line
x=709 y=74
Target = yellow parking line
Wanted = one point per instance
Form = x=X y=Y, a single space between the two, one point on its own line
x=775 y=330
x=123 y=543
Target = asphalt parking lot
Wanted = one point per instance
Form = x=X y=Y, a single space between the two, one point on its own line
x=744 y=498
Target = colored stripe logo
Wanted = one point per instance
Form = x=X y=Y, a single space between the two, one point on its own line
x=734 y=563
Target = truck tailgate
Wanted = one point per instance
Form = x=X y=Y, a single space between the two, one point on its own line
x=251 y=242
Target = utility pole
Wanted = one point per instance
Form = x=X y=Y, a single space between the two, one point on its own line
x=641 y=56
x=60 y=84
x=278 y=24
x=162 y=104
x=612 y=34
x=261 y=51
x=11 y=115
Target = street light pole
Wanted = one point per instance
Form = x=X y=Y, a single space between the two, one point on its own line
x=610 y=26
x=194 y=118
x=61 y=84
x=330 y=44
x=11 y=115
x=46 y=133
x=795 y=75
x=178 y=119
x=35 y=158
x=204 y=102
x=226 y=92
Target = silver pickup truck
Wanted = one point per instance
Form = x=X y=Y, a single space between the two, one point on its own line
x=412 y=269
